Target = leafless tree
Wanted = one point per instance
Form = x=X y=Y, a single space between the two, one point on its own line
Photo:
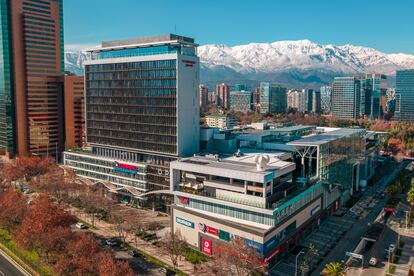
x=174 y=245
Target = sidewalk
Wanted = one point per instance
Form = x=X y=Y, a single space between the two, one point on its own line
x=108 y=230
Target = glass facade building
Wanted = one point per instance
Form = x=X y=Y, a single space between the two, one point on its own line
x=241 y=101
x=273 y=98
x=346 y=98
x=404 y=111
x=7 y=128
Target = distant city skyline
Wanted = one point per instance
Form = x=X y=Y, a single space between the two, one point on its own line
x=383 y=25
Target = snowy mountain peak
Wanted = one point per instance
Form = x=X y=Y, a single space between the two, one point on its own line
x=294 y=62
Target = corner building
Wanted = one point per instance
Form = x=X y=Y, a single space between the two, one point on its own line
x=142 y=111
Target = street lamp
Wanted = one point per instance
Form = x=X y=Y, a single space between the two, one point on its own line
x=296 y=262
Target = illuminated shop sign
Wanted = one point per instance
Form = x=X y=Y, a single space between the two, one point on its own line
x=207 y=246
x=184 y=222
x=184 y=200
x=125 y=168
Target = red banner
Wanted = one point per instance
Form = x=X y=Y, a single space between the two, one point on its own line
x=212 y=230
x=184 y=200
x=207 y=247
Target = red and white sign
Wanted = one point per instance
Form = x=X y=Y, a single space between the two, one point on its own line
x=184 y=200
x=211 y=230
x=189 y=63
x=207 y=247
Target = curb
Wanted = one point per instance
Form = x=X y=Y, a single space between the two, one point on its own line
x=14 y=259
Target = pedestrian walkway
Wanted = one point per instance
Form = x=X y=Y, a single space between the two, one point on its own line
x=108 y=231
x=406 y=260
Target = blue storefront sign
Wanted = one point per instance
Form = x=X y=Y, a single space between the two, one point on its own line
x=256 y=246
x=184 y=222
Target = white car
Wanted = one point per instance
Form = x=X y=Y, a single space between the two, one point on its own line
x=373 y=261
x=80 y=225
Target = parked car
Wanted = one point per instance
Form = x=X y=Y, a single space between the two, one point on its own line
x=373 y=261
x=111 y=243
x=80 y=225
x=133 y=253
x=163 y=270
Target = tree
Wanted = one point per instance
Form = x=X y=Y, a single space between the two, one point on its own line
x=174 y=245
x=121 y=226
x=109 y=267
x=304 y=266
x=81 y=257
x=239 y=256
x=41 y=219
x=23 y=168
x=13 y=208
x=334 y=269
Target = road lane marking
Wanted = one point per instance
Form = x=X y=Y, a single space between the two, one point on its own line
x=2 y=273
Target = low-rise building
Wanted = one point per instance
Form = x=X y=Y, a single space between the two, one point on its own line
x=248 y=195
x=221 y=121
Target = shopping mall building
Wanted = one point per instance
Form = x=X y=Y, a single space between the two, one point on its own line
x=271 y=198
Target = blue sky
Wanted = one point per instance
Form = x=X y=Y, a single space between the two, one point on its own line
x=387 y=25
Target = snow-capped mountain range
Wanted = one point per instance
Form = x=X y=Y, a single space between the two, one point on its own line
x=294 y=63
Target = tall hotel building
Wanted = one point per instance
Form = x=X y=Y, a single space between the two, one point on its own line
x=142 y=111
x=31 y=67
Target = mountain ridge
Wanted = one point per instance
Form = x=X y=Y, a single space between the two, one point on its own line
x=295 y=63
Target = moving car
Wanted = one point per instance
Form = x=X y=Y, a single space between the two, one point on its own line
x=111 y=243
x=133 y=253
x=373 y=261
x=80 y=225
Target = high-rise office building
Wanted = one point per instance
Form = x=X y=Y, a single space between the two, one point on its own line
x=326 y=99
x=273 y=98
x=241 y=101
x=308 y=94
x=203 y=90
x=346 y=97
x=31 y=67
x=239 y=87
x=405 y=96
x=316 y=101
x=373 y=86
x=296 y=100
x=223 y=95
x=211 y=97
x=74 y=94
x=142 y=111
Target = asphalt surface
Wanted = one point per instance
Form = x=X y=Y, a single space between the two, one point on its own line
x=352 y=238
x=7 y=268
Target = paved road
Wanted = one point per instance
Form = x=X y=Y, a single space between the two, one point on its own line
x=7 y=268
x=352 y=238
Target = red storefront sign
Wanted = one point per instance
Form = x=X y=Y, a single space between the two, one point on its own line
x=184 y=200
x=207 y=247
x=212 y=230
x=125 y=166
